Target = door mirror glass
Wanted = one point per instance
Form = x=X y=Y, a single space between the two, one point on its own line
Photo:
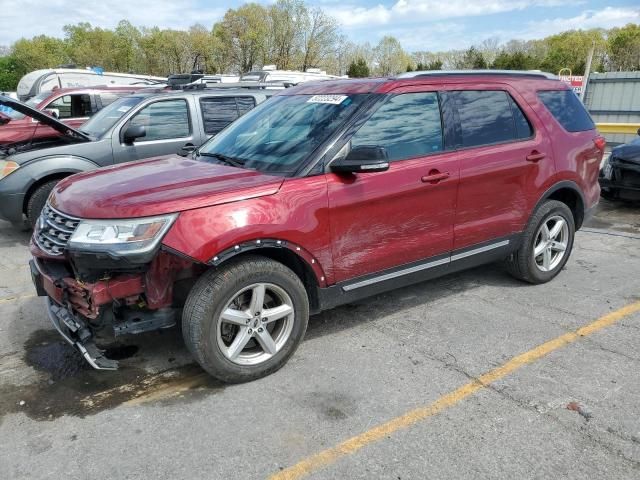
x=133 y=132
x=363 y=158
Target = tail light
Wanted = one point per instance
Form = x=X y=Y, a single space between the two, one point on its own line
x=600 y=142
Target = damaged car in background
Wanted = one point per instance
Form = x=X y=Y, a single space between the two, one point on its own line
x=620 y=174
x=142 y=125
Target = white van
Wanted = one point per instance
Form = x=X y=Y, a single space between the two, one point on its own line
x=43 y=80
x=270 y=74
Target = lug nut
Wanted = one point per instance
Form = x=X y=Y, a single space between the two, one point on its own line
x=260 y=329
x=250 y=331
x=264 y=320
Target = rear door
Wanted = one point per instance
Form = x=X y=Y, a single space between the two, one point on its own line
x=403 y=215
x=505 y=156
x=168 y=125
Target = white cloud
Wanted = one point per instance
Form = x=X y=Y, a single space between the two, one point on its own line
x=608 y=17
x=429 y=10
x=27 y=18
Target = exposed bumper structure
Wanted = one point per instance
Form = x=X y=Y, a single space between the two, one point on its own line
x=73 y=332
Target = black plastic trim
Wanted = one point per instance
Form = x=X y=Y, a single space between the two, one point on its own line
x=426 y=269
x=245 y=247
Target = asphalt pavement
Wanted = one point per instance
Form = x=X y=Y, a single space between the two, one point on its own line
x=474 y=375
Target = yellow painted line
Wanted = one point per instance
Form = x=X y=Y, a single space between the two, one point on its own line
x=16 y=298
x=618 y=127
x=352 y=445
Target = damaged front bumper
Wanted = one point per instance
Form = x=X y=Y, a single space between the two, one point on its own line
x=79 y=335
x=79 y=309
x=74 y=330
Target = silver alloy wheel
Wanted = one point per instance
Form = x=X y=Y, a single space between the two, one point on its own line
x=255 y=324
x=551 y=242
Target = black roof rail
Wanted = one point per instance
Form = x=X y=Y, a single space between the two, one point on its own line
x=512 y=73
x=235 y=85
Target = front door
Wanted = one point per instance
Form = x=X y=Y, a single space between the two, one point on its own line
x=168 y=128
x=403 y=215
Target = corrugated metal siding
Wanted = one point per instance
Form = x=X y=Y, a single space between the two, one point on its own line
x=614 y=97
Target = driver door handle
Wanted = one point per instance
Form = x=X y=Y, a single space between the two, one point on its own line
x=535 y=156
x=435 y=176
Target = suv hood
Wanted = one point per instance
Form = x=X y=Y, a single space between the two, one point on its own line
x=42 y=117
x=158 y=186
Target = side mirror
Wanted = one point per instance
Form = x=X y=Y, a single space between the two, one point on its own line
x=52 y=112
x=187 y=149
x=132 y=133
x=363 y=159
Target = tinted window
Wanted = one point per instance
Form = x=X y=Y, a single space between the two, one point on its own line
x=485 y=117
x=162 y=120
x=523 y=127
x=567 y=108
x=245 y=104
x=407 y=125
x=217 y=113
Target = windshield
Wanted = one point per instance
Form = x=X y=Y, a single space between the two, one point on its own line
x=106 y=118
x=279 y=135
x=32 y=102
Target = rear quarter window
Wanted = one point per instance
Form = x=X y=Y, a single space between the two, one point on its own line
x=567 y=109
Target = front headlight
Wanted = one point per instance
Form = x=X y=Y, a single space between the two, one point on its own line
x=121 y=237
x=7 y=167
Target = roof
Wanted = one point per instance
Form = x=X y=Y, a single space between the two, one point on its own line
x=534 y=80
x=510 y=73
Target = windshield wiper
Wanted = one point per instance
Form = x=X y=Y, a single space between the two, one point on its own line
x=234 y=162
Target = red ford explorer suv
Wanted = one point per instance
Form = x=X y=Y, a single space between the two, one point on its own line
x=327 y=193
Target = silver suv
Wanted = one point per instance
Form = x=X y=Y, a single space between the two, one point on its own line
x=137 y=126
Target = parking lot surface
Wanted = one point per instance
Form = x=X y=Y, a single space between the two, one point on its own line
x=444 y=379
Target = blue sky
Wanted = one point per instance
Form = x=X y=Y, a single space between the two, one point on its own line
x=419 y=24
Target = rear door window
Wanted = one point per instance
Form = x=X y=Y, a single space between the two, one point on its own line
x=218 y=112
x=165 y=119
x=407 y=125
x=485 y=117
x=567 y=109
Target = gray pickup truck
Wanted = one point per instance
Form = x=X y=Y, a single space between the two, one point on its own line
x=134 y=127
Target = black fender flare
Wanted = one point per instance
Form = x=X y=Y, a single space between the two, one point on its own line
x=565 y=184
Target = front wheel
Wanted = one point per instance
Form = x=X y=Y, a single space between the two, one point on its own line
x=244 y=320
x=546 y=244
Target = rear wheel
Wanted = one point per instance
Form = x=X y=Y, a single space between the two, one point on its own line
x=243 y=321
x=37 y=201
x=546 y=244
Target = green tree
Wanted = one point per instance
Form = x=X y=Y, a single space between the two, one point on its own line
x=244 y=32
x=390 y=56
x=472 y=59
x=433 y=65
x=624 y=47
x=514 y=61
x=10 y=73
x=358 y=69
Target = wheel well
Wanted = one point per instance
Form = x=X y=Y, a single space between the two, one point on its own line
x=288 y=258
x=38 y=183
x=571 y=199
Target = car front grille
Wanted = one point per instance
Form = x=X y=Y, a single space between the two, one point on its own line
x=54 y=229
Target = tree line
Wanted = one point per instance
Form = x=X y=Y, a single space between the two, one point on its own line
x=292 y=35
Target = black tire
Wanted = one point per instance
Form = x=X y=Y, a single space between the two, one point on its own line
x=214 y=290
x=521 y=264
x=37 y=201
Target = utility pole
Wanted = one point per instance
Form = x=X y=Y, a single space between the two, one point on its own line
x=585 y=78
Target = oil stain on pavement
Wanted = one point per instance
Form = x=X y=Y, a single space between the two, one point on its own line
x=71 y=387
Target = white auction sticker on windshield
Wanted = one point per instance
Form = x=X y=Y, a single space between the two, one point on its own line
x=332 y=99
